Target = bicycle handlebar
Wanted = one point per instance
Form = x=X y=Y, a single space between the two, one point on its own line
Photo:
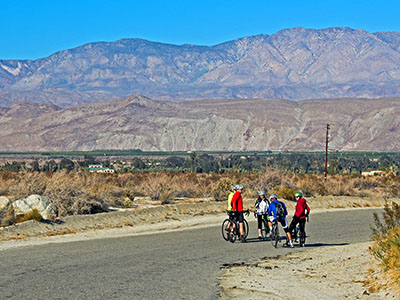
x=246 y=212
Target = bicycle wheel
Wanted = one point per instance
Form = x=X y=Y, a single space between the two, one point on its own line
x=225 y=233
x=272 y=236
x=275 y=231
x=296 y=233
x=245 y=229
x=302 y=239
x=233 y=232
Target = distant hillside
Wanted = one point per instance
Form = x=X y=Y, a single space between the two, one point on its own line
x=232 y=124
x=296 y=63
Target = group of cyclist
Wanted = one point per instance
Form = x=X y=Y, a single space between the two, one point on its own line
x=270 y=209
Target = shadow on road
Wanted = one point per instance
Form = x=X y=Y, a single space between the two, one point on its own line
x=325 y=244
x=256 y=240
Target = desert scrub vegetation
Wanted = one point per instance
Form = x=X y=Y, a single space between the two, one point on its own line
x=88 y=193
x=386 y=246
x=34 y=214
x=222 y=189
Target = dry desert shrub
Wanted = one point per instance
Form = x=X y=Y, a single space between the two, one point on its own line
x=286 y=193
x=158 y=187
x=268 y=181
x=339 y=186
x=7 y=216
x=205 y=184
x=28 y=184
x=75 y=193
x=222 y=189
x=364 y=183
x=312 y=185
x=7 y=179
x=391 y=220
x=84 y=192
x=34 y=214
x=386 y=248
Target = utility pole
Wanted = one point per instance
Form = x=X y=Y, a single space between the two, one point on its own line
x=326 y=151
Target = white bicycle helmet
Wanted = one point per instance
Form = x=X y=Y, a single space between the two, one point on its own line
x=273 y=196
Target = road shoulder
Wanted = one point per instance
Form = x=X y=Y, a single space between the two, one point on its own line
x=324 y=273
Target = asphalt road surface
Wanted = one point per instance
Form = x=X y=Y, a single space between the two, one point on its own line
x=175 y=265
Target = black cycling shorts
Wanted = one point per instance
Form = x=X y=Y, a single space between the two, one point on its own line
x=260 y=220
x=239 y=216
x=284 y=224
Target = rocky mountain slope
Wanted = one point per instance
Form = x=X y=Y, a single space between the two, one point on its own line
x=296 y=63
x=224 y=124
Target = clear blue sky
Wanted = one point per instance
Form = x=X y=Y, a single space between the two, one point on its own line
x=38 y=28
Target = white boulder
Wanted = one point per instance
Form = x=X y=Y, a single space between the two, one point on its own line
x=4 y=202
x=41 y=203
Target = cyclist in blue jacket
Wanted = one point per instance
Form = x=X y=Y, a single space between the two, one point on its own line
x=277 y=212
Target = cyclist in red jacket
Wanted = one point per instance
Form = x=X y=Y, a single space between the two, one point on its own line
x=301 y=213
x=237 y=208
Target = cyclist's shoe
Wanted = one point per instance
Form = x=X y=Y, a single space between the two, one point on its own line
x=243 y=239
x=291 y=244
x=260 y=237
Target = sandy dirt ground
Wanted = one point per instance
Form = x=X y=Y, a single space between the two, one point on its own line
x=325 y=273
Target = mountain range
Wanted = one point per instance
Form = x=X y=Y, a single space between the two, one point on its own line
x=292 y=64
x=138 y=122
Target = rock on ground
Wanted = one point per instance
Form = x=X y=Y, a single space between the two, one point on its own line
x=4 y=202
x=41 y=203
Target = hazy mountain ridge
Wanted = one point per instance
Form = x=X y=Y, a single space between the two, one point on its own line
x=295 y=63
x=231 y=124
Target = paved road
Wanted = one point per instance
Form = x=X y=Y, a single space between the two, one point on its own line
x=176 y=265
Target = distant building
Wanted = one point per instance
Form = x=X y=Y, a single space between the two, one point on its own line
x=94 y=167
x=99 y=169
x=373 y=173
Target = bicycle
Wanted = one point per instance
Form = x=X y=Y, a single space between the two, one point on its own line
x=230 y=228
x=275 y=234
x=300 y=238
x=226 y=225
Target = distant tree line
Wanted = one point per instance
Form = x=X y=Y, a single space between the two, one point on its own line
x=302 y=163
